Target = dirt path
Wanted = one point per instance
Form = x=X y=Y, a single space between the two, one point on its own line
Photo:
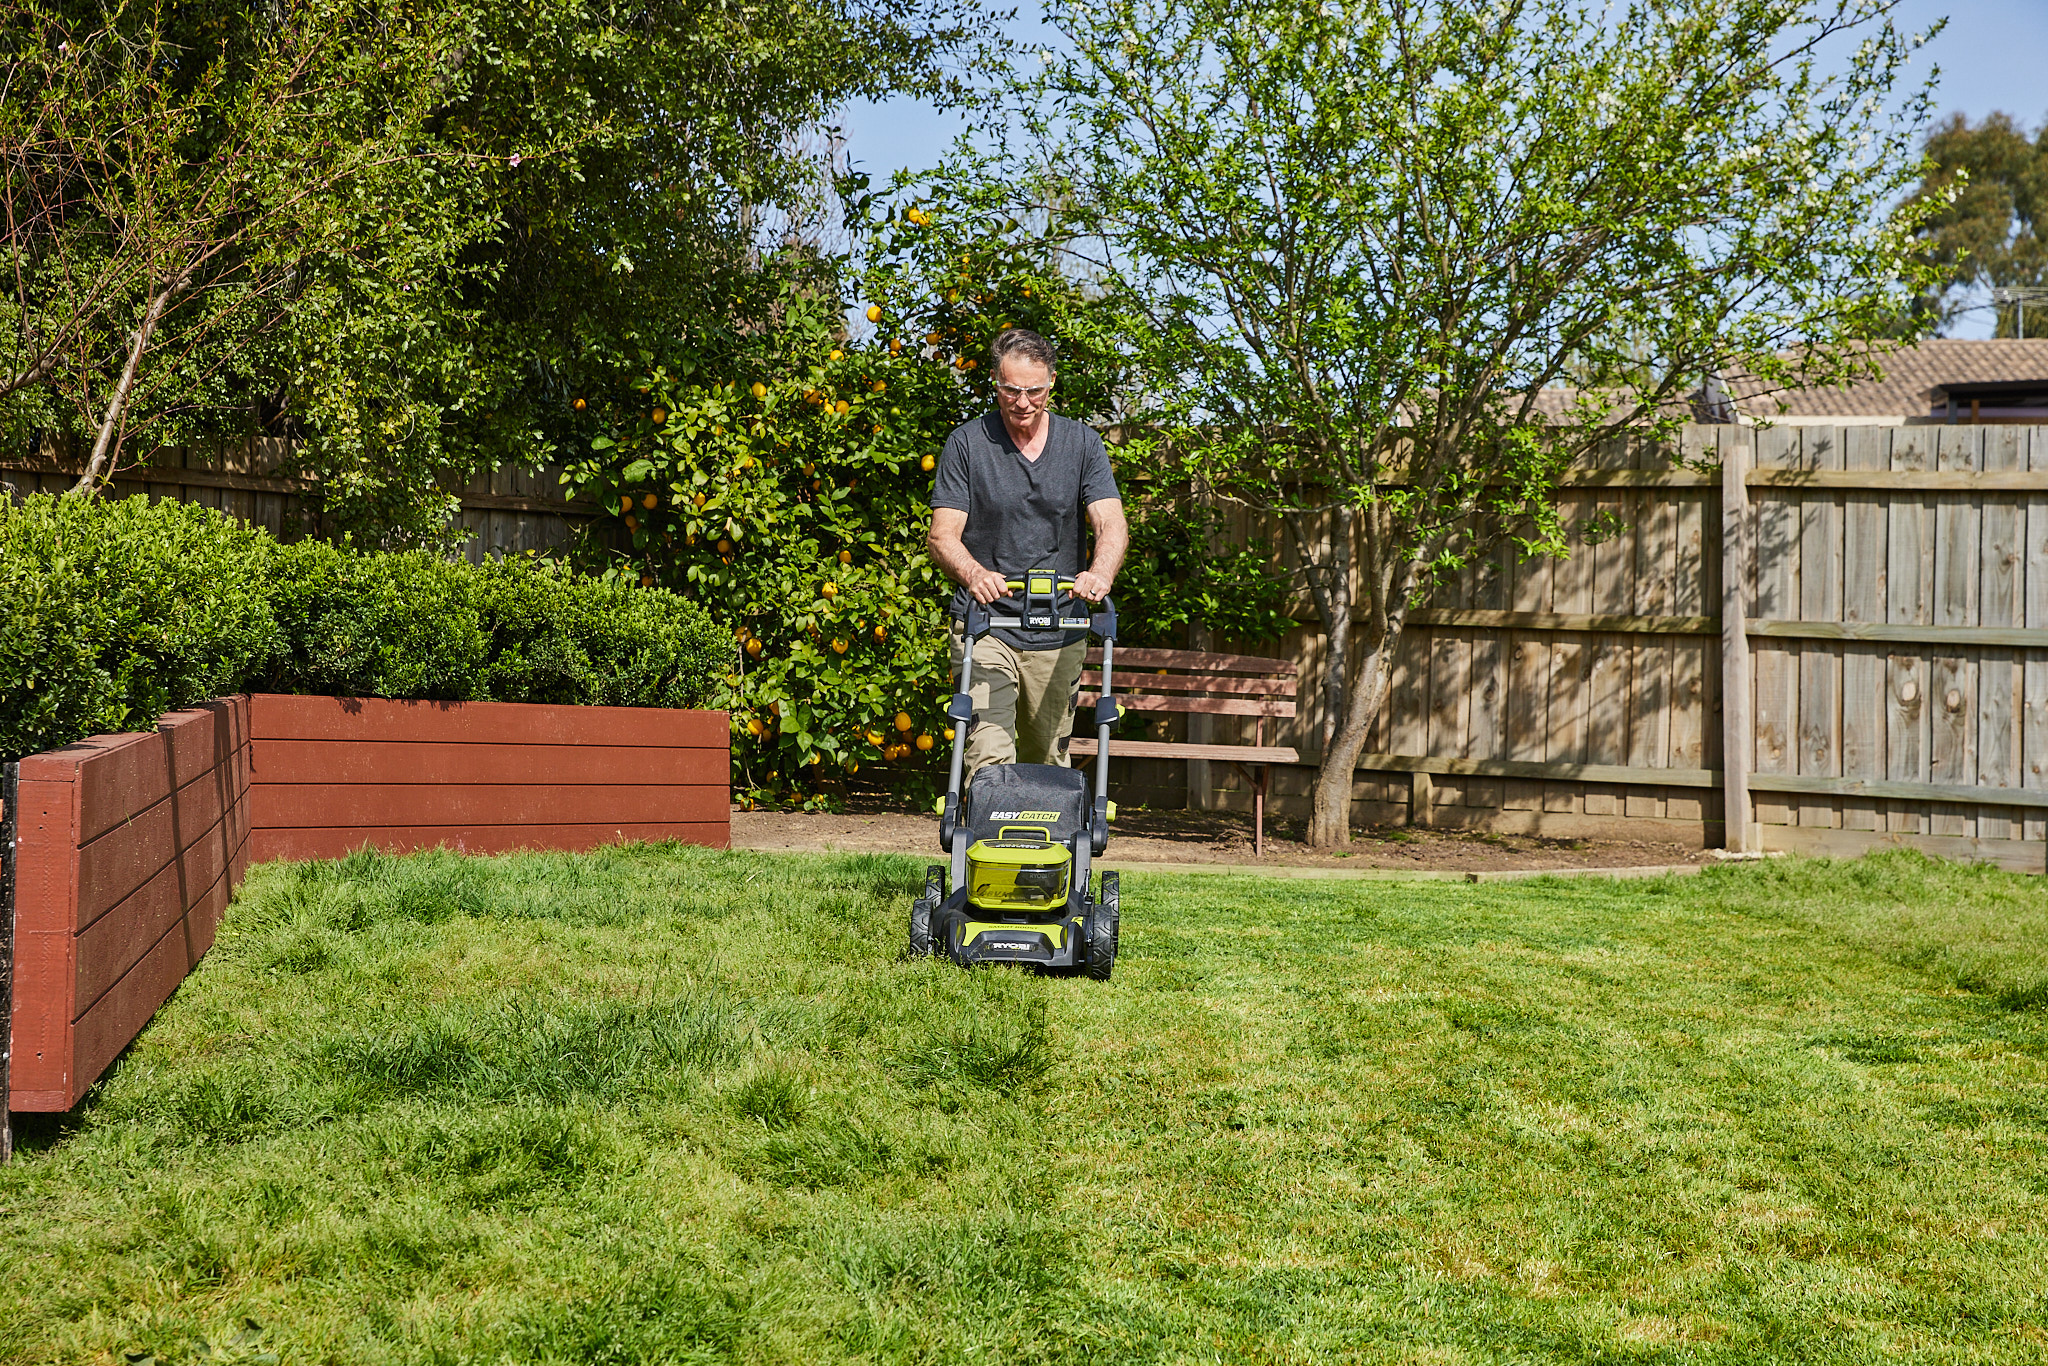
x=1216 y=837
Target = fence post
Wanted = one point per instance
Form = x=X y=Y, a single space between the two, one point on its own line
x=9 y=824
x=1737 y=732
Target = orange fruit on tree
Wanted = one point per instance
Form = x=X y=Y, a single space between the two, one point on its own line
x=724 y=546
x=931 y=339
x=924 y=742
x=760 y=389
x=948 y=732
x=829 y=589
x=660 y=415
x=880 y=635
x=632 y=522
x=903 y=721
x=846 y=557
x=625 y=502
x=650 y=502
x=928 y=464
x=647 y=581
x=836 y=355
x=754 y=648
x=579 y=405
x=874 y=313
x=880 y=386
x=838 y=646
x=873 y=737
x=754 y=727
x=841 y=406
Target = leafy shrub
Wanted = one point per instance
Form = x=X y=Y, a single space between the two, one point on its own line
x=113 y=612
x=600 y=642
x=383 y=625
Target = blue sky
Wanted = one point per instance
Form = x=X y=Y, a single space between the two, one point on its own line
x=1993 y=55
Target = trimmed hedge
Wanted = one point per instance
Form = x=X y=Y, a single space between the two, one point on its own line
x=113 y=612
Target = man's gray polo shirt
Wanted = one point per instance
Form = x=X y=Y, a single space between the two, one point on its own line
x=1024 y=514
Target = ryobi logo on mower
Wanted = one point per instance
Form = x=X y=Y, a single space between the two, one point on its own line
x=1023 y=815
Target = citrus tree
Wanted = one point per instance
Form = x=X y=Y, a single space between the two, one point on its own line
x=780 y=472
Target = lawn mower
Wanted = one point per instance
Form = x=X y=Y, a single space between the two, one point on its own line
x=1022 y=835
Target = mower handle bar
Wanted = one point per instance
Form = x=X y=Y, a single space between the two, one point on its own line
x=1063 y=592
x=960 y=711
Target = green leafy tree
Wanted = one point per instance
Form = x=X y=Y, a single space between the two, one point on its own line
x=631 y=166
x=405 y=236
x=1988 y=186
x=164 y=197
x=1348 y=245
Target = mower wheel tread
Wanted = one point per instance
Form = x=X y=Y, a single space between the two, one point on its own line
x=1100 y=949
x=921 y=928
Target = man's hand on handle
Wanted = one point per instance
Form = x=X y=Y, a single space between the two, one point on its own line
x=986 y=585
x=1091 y=585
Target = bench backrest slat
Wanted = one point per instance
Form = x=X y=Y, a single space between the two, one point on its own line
x=1199 y=661
x=1212 y=706
x=1148 y=681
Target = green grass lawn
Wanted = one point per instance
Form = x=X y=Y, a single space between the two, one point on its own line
x=664 y=1105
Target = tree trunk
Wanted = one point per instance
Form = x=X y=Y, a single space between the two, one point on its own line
x=108 y=446
x=1330 y=824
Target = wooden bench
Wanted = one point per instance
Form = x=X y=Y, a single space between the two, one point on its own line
x=1197 y=682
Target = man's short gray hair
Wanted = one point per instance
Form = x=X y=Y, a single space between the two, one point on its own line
x=1023 y=343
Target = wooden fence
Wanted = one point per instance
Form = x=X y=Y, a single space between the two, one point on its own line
x=1840 y=634
x=1857 y=615
x=505 y=511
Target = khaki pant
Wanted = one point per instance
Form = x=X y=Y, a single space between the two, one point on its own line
x=1024 y=699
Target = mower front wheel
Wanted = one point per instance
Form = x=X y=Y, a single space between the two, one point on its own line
x=921 y=911
x=921 y=928
x=1099 y=952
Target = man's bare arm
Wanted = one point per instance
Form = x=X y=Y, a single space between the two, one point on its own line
x=1112 y=539
x=951 y=556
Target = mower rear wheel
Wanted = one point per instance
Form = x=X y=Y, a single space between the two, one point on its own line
x=1099 y=953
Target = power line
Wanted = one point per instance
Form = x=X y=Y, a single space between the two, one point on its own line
x=2019 y=296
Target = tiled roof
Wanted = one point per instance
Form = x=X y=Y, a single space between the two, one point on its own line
x=1912 y=382
x=1913 y=377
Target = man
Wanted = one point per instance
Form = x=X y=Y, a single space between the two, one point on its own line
x=1012 y=493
